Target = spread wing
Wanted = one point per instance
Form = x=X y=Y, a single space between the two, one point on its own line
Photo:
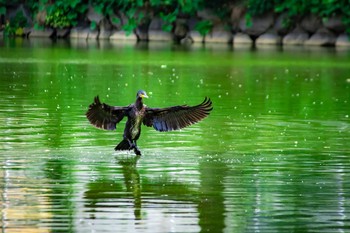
x=103 y=116
x=177 y=117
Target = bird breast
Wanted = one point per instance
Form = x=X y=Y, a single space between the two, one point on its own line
x=135 y=120
x=135 y=128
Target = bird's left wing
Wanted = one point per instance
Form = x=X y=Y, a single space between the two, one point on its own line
x=177 y=117
x=104 y=116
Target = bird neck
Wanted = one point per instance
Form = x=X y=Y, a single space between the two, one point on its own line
x=139 y=103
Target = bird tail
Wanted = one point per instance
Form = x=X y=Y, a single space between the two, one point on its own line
x=123 y=145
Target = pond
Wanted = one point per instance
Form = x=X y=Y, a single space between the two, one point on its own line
x=273 y=156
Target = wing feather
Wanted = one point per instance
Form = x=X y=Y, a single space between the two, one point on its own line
x=104 y=116
x=177 y=117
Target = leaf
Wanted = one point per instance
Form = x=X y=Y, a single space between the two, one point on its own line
x=130 y=13
x=249 y=21
x=19 y=32
x=2 y=10
x=81 y=9
x=98 y=8
x=167 y=27
x=116 y=20
x=155 y=2
x=139 y=3
x=204 y=27
x=74 y=3
x=93 y=25
x=38 y=27
x=109 y=10
x=130 y=26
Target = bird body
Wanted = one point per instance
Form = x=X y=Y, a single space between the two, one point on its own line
x=107 y=117
x=135 y=115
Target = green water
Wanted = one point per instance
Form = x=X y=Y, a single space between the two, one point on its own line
x=273 y=156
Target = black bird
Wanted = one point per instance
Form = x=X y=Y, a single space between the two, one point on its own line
x=104 y=116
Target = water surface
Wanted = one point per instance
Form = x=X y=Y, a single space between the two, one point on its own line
x=272 y=157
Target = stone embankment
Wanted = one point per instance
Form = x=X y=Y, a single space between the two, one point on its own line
x=268 y=29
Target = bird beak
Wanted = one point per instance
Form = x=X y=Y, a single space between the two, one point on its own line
x=143 y=96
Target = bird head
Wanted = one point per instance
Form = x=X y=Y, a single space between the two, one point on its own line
x=141 y=94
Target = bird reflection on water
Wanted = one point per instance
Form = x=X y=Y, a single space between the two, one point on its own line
x=110 y=190
x=120 y=187
x=132 y=182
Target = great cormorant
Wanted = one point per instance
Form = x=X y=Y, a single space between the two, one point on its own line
x=106 y=117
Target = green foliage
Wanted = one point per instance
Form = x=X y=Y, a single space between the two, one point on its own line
x=130 y=26
x=294 y=7
x=259 y=7
x=15 y=25
x=188 y=6
x=134 y=19
x=93 y=25
x=169 y=10
x=222 y=8
x=115 y=20
x=298 y=8
x=62 y=14
x=168 y=19
x=2 y=10
x=2 y=7
x=128 y=7
x=57 y=17
x=105 y=7
x=204 y=27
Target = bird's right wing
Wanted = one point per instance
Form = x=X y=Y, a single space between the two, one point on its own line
x=104 y=116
